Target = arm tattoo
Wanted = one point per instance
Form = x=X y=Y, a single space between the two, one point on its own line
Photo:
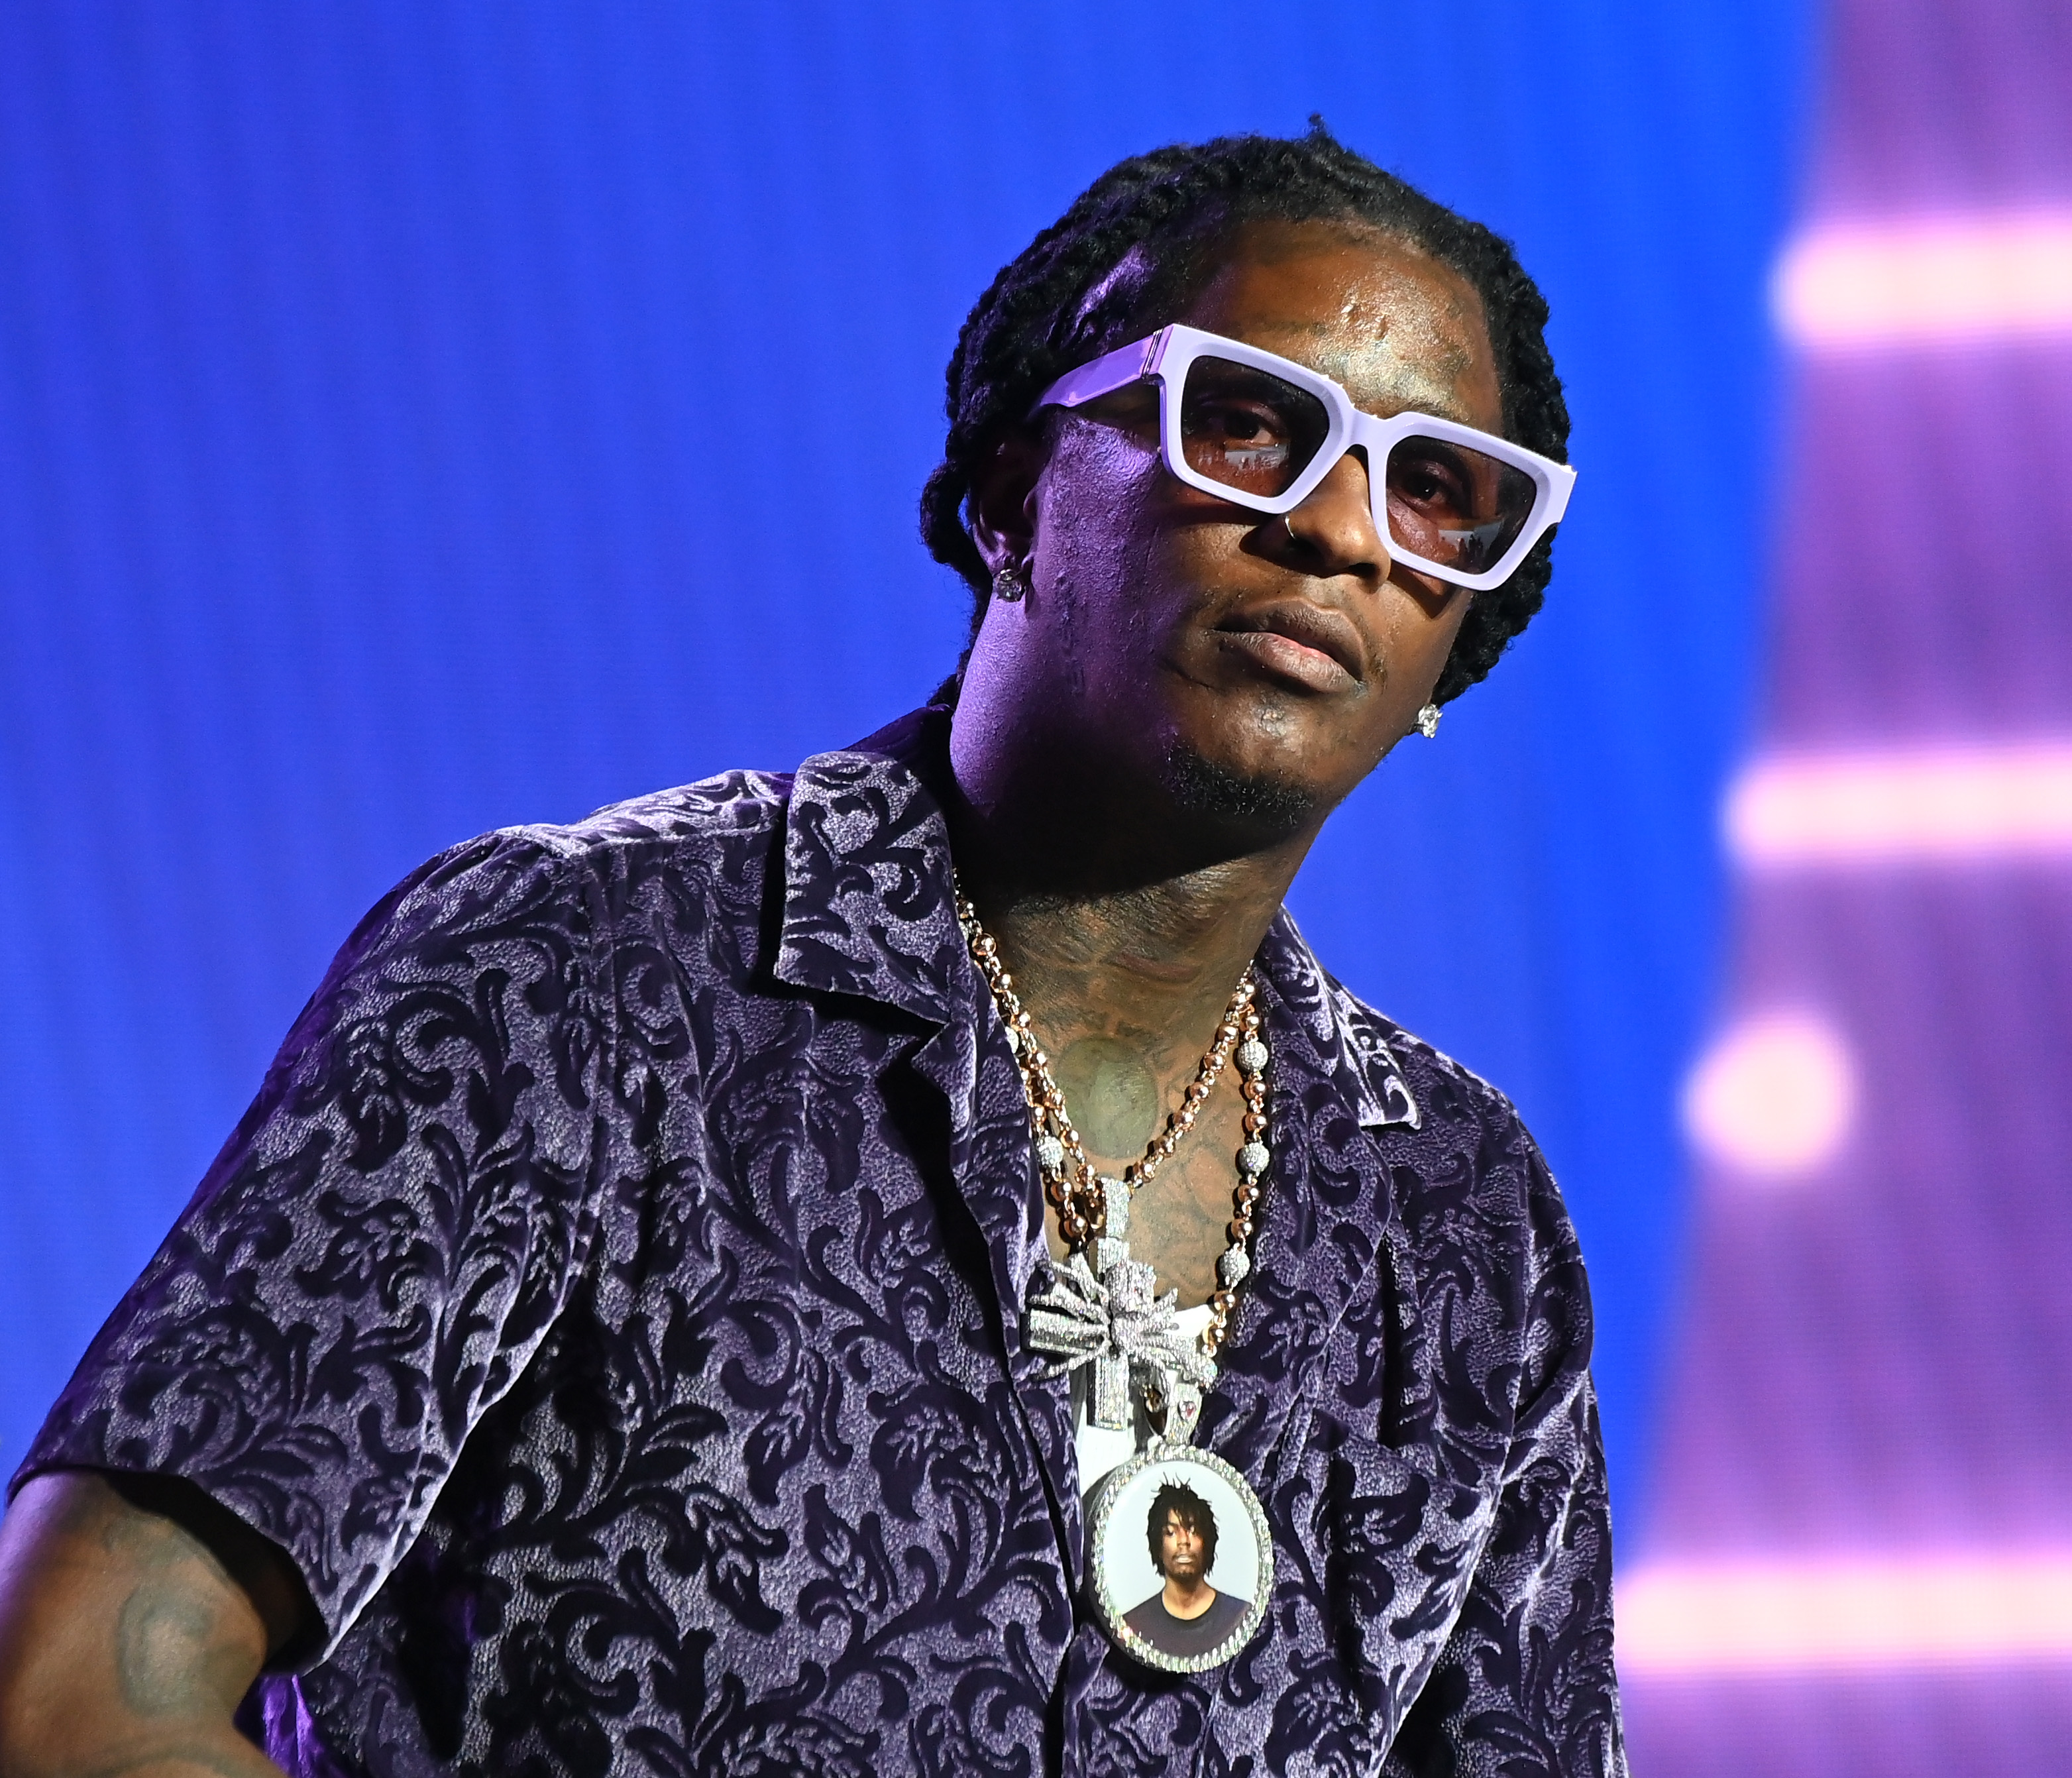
x=126 y=1643
x=166 y=1654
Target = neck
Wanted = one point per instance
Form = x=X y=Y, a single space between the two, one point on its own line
x=1126 y=923
x=1170 y=949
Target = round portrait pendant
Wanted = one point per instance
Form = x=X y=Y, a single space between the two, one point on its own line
x=1180 y=1563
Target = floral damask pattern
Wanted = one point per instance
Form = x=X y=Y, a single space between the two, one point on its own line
x=612 y=1304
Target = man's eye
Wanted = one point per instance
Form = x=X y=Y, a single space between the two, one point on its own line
x=1237 y=424
x=1428 y=484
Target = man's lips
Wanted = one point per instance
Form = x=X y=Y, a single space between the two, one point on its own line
x=1307 y=643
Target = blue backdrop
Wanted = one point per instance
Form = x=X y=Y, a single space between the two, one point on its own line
x=417 y=417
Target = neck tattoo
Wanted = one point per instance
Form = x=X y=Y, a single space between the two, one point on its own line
x=1109 y=1313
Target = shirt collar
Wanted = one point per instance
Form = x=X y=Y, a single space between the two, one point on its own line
x=868 y=909
x=869 y=912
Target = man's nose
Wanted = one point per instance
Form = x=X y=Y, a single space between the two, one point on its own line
x=1332 y=530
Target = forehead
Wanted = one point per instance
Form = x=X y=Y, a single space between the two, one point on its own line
x=1397 y=329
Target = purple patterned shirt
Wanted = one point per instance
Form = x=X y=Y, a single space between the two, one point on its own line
x=613 y=1305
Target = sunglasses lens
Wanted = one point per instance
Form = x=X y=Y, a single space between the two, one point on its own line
x=1248 y=431
x=1455 y=506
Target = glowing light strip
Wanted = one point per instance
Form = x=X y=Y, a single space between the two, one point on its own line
x=1953 y=278
x=1925 y=805
x=1933 y=1612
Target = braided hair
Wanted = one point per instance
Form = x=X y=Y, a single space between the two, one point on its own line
x=1140 y=239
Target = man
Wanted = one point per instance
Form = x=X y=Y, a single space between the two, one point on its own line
x=605 y=1346
x=1186 y=1616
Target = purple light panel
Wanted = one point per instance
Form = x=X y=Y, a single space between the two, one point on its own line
x=1859 y=1557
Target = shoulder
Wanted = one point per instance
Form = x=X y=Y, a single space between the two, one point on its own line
x=735 y=815
x=1462 y=1165
x=727 y=822
x=1474 y=1195
x=1453 y=1103
x=731 y=806
x=686 y=871
x=1403 y=1085
x=734 y=812
x=538 y=904
x=1467 y=1128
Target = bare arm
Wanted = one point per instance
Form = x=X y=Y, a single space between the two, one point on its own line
x=134 y=1615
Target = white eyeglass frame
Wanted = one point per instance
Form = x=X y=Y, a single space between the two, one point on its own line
x=1163 y=358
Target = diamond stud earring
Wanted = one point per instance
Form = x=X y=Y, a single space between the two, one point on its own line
x=1427 y=721
x=1010 y=583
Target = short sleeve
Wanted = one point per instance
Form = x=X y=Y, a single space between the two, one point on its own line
x=387 y=1237
x=1526 y=1687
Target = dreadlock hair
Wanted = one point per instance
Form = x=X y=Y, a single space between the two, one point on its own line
x=1131 y=251
x=1180 y=1501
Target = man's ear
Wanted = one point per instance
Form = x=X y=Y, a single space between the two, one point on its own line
x=1003 y=498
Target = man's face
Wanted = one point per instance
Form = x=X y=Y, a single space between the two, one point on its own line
x=1180 y=1549
x=1188 y=637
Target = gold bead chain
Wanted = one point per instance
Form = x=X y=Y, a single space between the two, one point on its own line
x=1071 y=1184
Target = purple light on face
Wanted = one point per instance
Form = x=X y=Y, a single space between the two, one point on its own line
x=1860 y=1559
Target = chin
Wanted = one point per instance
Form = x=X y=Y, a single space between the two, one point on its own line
x=1273 y=804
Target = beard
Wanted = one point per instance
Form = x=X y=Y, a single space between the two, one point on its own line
x=1268 y=806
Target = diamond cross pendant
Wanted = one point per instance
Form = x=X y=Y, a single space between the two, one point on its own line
x=1110 y=1315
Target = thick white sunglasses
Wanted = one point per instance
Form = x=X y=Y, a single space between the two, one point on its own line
x=1262 y=431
